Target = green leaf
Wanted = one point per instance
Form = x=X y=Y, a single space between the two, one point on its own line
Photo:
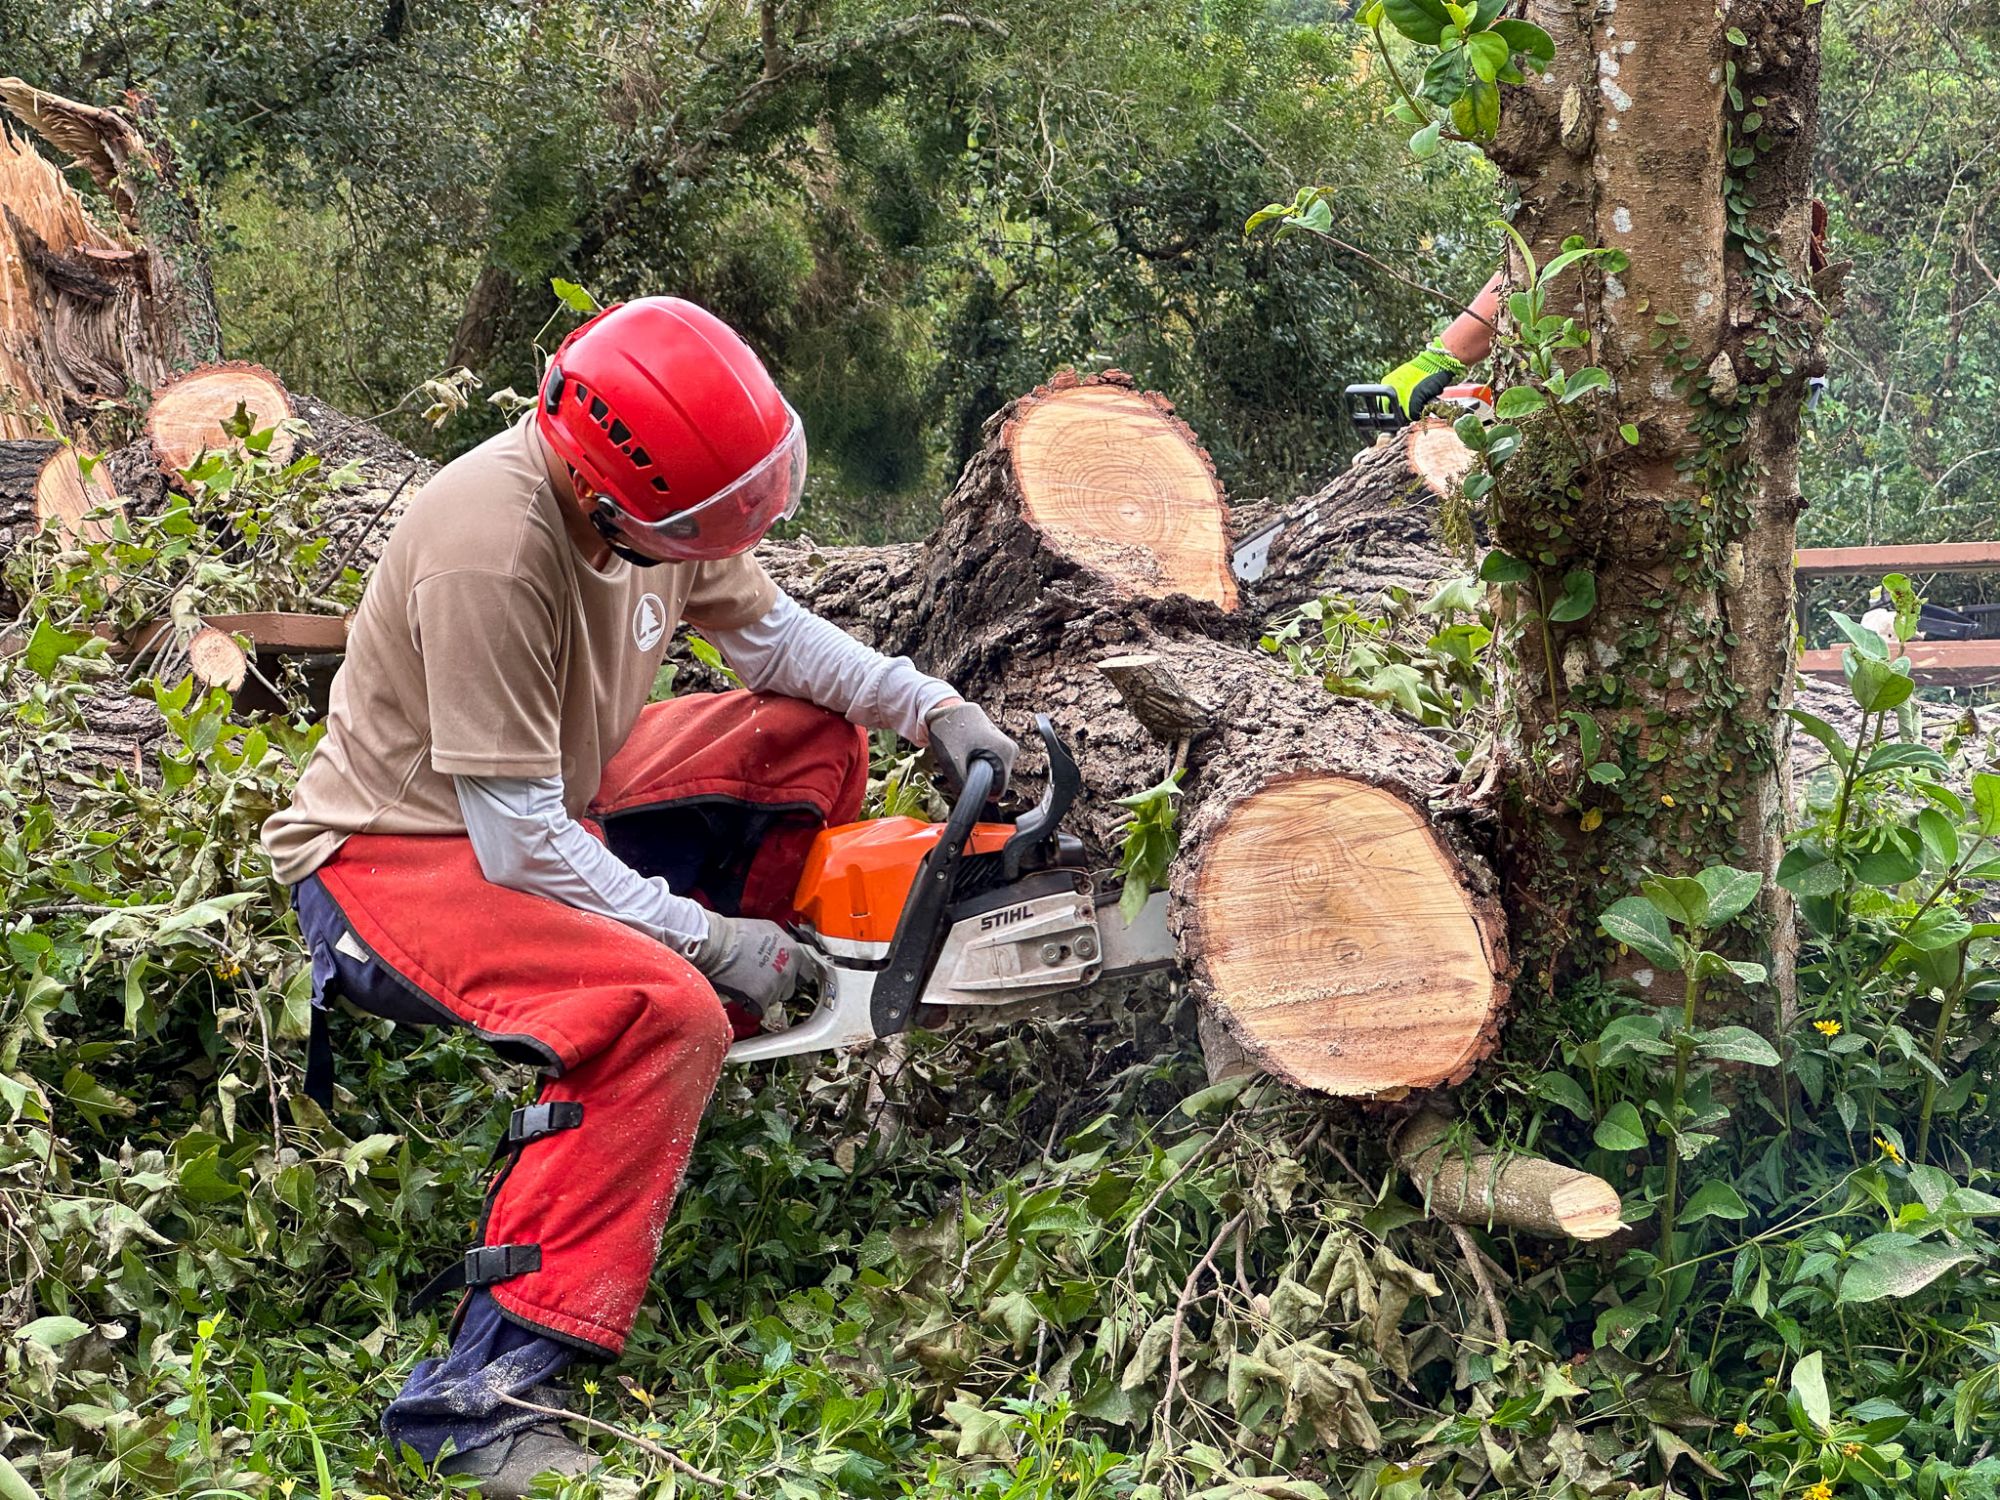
x=1680 y=898
x=1859 y=636
x=1498 y=567
x=1903 y=756
x=1986 y=802
x=1587 y=736
x=574 y=297
x=12 y=1485
x=1898 y=1271
x=1621 y=1129
x=1583 y=382
x=1808 y=870
x=1529 y=40
x=1736 y=37
x=1630 y=433
x=52 y=1332
x=1489 y=52
x=1639 y=1035
x=48 y=645
x=1736 y=1044
x=1714 y=1200
x=1729 y=890
x=1424 y=144
x=1835 y=743
x=1642 y=927
x=1518 y=401
x=1876 y=685
x=1579 y=597
x=1563 y=1090
x=1940 y=838
x=1419 y=20
x=1477 y=113
x=1809 y=1385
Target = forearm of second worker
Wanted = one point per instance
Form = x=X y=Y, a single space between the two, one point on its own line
x=794 y=652
x=526 y=840
x=1469 y=339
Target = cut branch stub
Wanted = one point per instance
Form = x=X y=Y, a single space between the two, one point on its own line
x=1118 y=484
x=1470 y=1183
x=1335 y=930
x=216 y=659
x=1437 y=456
x=187 y=415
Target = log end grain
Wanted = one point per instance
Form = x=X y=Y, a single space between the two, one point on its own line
x=65 y=496
x=1436 y=456
x=1335 y=932
x=186 y=417
x=1117 y=483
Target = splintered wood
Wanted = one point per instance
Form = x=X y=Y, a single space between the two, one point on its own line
x=44 y=225
x=187 y=414
x=1336 y=934
x=1117 y=484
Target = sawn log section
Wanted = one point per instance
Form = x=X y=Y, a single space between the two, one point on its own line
x=1343 y=931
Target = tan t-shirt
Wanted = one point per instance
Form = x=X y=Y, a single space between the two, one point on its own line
x=486 y=646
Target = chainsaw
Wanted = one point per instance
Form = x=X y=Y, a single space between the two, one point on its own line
x=914 y=923
x=1377 y=409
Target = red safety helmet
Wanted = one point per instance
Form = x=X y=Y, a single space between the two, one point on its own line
x=672 y=425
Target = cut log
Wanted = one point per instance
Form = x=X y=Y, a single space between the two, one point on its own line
x=1341 y=933
x=43 y=483
x=1477 y=1186
x=1372 y=528
x=191 y=414
x=1115 y=482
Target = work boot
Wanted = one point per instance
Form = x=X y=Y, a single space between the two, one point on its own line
x=506 y=1469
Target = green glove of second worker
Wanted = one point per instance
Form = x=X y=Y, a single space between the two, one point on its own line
x=1420 y=381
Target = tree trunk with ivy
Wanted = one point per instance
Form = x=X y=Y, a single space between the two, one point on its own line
x=1643 y=708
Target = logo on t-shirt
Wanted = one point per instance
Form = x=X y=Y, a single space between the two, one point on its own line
x=649 y=622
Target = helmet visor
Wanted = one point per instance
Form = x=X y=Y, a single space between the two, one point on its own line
x=733 y=519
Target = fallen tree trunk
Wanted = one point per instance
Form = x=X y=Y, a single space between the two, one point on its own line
x=42 y=482
x=1344 y=935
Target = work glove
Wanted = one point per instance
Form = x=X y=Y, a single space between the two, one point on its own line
x=1420 y=381
x=961 y=730
x=755 y=961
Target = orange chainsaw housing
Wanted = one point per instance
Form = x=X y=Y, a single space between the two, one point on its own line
x=858 y=875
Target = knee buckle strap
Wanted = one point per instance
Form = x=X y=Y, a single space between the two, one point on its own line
x=538 y=1120
x=483 y=1265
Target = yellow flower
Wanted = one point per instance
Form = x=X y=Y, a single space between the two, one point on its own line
x=1827 y=1028
x=1666 y=799
x=1820 y=1491
x=1889 y=1150
x=1743 y=1429
x=229 y=968
x=1850 y=1450
x=590 y=1388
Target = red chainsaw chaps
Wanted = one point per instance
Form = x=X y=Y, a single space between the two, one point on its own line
x=626 y=1027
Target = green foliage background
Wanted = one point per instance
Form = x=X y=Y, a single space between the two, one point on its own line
x=916 y=222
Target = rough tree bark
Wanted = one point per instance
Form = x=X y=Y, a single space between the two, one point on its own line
x=1653 y=133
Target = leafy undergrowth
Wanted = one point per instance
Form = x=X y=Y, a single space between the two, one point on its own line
x=1038 y=1262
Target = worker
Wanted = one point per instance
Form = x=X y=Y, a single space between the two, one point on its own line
x=500 y=832
x=1468 y=340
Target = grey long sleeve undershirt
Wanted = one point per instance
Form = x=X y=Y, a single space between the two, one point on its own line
x=525 y=839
